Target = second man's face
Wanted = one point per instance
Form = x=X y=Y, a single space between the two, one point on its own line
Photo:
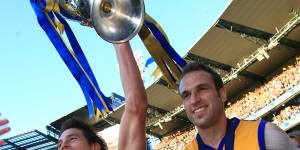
x=74 y=139
x=202 y=101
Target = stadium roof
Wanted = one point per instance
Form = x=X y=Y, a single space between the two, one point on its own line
x=33 y=140
x=243 y=27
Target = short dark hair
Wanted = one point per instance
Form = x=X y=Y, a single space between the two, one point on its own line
x=198 y=66
x=294 y=134
x=86 y=129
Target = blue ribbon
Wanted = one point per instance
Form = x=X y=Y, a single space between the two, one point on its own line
x=165 y=44
x=81 y=57
x=169 y=72
x=75 y=68
x=149 y=61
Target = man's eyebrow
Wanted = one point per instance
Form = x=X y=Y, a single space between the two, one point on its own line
x=183 y=92
x=73 y=134
x=202 y=85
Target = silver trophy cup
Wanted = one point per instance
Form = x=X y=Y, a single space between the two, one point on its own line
x=115 y=21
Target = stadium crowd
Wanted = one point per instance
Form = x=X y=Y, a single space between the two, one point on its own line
x=153 y=115
x=286 y=114
x=178 y=140
x=257 y=99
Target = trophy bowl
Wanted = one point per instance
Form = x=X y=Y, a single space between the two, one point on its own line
x=117 y=21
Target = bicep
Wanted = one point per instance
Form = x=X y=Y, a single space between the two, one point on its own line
x=277 y=139
x=132 y=132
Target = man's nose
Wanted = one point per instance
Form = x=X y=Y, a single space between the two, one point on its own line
x=194 y=98
x=64 y=145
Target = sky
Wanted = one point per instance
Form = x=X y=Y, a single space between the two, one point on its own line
x=36 y=87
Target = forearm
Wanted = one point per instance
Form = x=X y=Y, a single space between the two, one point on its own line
x=132 y=83
x=133 y=122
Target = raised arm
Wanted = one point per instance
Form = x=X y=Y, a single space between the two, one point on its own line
x=133 y=123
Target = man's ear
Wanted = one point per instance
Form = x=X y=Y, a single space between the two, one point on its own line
x=223 y=94
x=96 y=146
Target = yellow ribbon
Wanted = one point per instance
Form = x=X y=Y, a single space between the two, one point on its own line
x=50 y=4
x=161 y=57
x=156 y=73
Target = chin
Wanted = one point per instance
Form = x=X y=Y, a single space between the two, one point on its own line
x=202 y=125
x=203 y=122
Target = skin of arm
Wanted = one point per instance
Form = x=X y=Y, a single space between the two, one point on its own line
x=4 y=130
x=277 y=139
x=132 y=127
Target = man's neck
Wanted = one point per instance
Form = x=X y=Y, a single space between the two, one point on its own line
x=213 y=135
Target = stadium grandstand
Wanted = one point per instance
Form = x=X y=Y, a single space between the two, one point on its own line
x=255 y=46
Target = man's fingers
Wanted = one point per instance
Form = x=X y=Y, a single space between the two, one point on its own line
x=3 y=122
x=2 y=131
x=2 y=142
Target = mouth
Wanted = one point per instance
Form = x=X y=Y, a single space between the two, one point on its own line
x=199 y=109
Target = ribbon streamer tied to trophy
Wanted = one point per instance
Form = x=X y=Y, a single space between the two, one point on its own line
x=115 y=21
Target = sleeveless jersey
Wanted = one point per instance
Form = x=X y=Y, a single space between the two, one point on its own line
x=249 y=135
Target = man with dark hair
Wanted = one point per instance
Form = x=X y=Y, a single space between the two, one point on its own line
x=203 y=95
x=76 y=134
x=196 y=66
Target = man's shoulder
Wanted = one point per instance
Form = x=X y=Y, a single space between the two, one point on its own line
x=277 y=138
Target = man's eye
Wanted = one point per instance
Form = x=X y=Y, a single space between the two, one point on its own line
x=185 y=95
x=73 y=138
x=201 y=88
